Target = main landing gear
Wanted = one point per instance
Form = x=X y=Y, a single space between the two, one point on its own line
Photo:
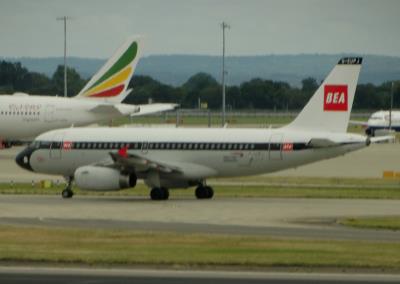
x=159 y=193
x=204 y=192
x=67 y=192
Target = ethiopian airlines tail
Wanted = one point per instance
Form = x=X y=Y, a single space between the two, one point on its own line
x=110 y=83
x=330 y=106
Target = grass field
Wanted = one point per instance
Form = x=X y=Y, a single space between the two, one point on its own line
x=124 y=247
x=383 y=223
x=252 y=187
x=215 y=120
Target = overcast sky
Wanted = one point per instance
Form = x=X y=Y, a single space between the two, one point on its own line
x=97 y=28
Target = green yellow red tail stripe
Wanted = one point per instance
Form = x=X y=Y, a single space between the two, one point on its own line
x=113 y=78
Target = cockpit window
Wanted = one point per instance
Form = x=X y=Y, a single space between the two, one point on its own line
x=376 y=117
x=35 y=145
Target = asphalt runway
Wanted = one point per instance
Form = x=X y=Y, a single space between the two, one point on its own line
x=271 y=217
x=274 y=217
x=19 y=275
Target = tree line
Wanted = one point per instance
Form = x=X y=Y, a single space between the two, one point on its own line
x=254 y=94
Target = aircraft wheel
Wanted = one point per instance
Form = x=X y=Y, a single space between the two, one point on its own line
x=165 y=193
x=159 y=193
x=67 y=193
x=204 y=192
x=210 y=192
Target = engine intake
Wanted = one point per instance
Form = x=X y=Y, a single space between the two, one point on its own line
x=96 y=178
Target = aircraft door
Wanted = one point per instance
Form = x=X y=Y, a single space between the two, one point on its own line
x=49 y=113
x=275 y=146
x=145 y=147
x=56 y=146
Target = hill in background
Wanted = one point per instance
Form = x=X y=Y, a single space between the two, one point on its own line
x=177 y=69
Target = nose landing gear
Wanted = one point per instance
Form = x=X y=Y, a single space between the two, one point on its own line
x=67 y=192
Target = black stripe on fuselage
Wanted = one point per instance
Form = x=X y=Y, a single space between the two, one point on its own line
x=181 y=146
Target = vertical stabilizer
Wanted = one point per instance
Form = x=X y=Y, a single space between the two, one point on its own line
x=330 y=106
x=110 y=83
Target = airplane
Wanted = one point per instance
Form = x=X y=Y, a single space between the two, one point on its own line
x=380 y=120
x=110 y=159
x=23 y=116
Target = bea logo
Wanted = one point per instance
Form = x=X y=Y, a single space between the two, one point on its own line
x=335 y=98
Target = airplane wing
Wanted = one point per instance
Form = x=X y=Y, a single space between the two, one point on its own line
x=126 y=162
x=140 y=164
x=358 y=122
x=154 y=108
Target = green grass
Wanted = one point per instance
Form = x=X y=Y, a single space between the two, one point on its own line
x=203 y=120
x=384 y=223
x=256 y=187
x=124 y=247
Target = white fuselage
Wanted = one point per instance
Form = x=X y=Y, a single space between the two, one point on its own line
x=23 y=117
x=198 y=152
x=381 y=119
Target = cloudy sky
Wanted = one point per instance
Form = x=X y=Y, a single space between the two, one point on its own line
x=97 y=28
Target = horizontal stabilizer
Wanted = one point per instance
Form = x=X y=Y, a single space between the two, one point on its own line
x=322 y=143
x=109 y=109
x=382 y=139
x=358 y=122
x=154 y=108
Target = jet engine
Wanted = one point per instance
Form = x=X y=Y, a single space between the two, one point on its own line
x=103 y=179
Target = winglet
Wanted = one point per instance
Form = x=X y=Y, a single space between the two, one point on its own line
x=110 y=83
x=330 y=106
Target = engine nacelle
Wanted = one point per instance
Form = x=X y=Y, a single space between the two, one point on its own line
x=102 y=179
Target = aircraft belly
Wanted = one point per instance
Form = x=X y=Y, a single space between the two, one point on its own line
x=262 y=163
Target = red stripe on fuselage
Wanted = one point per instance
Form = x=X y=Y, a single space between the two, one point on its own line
x=110 y=92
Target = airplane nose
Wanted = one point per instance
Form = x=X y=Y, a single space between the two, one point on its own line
x=23 y=158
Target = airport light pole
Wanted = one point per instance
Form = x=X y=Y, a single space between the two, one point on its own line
x=65 y=18
x=391 y=107
x=224 y=26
